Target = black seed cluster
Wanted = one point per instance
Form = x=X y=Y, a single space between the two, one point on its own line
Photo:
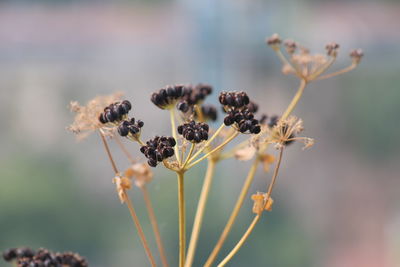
x=130 y=127
x=115 y=111
x=194 y=132
x=252 y=107
x=167 y=96
x=26 y=257
x=234 y=100
x=209 y=112
x=193 y=96
x=158 y=149
x=244 y=120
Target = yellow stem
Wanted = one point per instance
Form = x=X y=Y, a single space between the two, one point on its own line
x=182 y=224
x=208 y=142
x=321 y=70
x=330 y=75
x=257 y=217
x=241 y=241
x=172 y=116
x=114 y=166
x=214 y=150
x=234 y=214
x=199 y=113
x=154 y=224
x=295 y=99
x=198 y=219
x=139 y=229
x=189 y=155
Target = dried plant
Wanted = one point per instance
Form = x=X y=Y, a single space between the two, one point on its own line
x=193 y=141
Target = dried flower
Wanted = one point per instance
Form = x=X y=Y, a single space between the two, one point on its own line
x=356 y=55
x=274 y=41
x=141 y=174
x=87 y=117
x=261 y=203
x=122 y=183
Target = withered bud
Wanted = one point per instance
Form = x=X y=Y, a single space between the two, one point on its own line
x=356 y=55
x=274 y=41
x=332 y=49
x=290 y=46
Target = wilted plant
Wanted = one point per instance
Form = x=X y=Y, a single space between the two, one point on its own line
x=193 y=141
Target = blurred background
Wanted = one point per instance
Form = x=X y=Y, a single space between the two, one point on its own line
x=336 y=205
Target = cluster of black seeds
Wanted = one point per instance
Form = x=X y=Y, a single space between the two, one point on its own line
x=245 y=121
x=193 y=96
x=158 y=149
x=194 y=132
x=234 y=100
x=167 y=96
x=26 y=257
x=252 y=107
x=115 y=112
x=130 y=127
x=209 y=112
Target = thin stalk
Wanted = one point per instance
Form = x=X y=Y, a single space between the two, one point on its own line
x=234 y=214
x=110 y=157
x=139 y=229
x=172 y=116
x=182 y=223
x=208 y=142
x=198 y=219
x=321 y=70
x=189 y=155
x=199 y=113
x=257 y=217
x=154 y=224
x=295 y=99
x=124 y=149
x=330 y=75
x=214 y=150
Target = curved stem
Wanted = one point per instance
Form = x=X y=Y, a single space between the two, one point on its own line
x=330 y=75
x=154 y=224
x=214 y=150
x=139 y=229
x=322 y=69
x=182 y=226
x=241 y=241
x=198 y=219
x=295 y=99
x=174 y=135
x=208 y=142
x=234 y=214
x=257 y=217
x=189 y=155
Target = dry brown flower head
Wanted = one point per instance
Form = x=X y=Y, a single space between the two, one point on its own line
x=122 y=184
x=261 y=202
x=87 y=117
x=141 y=173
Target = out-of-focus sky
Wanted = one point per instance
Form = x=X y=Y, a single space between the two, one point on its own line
x=336 y=205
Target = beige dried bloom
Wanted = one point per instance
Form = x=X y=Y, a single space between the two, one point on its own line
x=122 y=184
x=141 y=173
x=261 y=202
x=274 y=41
x=87 y=117
x=286 y=131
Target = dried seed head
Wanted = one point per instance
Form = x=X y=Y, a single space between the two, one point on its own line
x=332 y=49
x=166 y=97
x=243 y=120
x=130 y=128
x=290 y=46
x=141 y=174
x=194 y=132
x=356 y=55
x=158 y=149
x=115 y=112
x=87 y=117
x=274 y=41
x=122 y=184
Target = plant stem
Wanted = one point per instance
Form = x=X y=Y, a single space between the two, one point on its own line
x=208 y=142
x=114 y=166
x=234 y=214
x=349 y=68
x=230 y=138
x=182 y=223
x=154 y=224
x=174 y=135
x=189 y=155
x=198 y=219
x=124 y=149
x=295 y=99
x=139 y=229
x=257 y=217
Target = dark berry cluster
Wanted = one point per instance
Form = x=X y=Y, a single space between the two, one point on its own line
x=209 y=112
x=252 y=107
x=194 y=132
x=167 y=96
x=130 y=127
x=158 y=149
x=244 y=120
x=26 y=257
x=115 y=112
x=234 y=100
x=193 y=96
